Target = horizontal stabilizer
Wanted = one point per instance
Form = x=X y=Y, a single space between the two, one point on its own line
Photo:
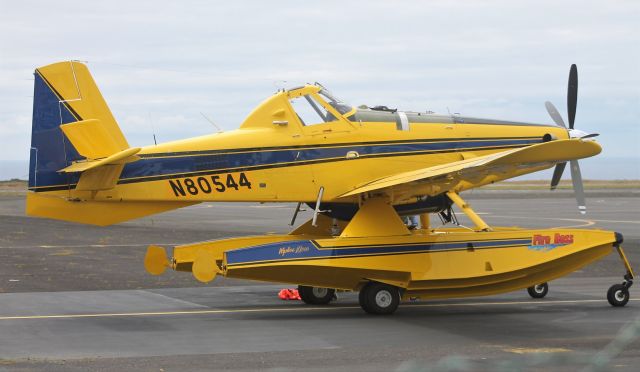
x=101 y=174
x=91 y=138
x=121 y=157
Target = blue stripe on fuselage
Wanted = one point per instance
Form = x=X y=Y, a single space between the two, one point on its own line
x=157 y=166
x=306 y=249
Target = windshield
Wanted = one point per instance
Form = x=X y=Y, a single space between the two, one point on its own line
x=310 y=111
x=337 y=104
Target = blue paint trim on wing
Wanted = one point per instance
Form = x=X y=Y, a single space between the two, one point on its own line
x=307 y=249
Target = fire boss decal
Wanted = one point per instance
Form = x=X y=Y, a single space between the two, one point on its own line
x=546 y=243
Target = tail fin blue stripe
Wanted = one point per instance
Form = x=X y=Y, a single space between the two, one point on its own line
x=50 y=149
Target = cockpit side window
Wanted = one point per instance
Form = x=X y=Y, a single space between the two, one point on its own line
x=310 y=111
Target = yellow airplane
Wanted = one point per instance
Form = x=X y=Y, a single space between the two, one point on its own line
x=360 y=169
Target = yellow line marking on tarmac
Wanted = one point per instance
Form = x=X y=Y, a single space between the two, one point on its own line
x=523 y=350
x=618 y=221
x=64 y=252
x=185 y=312
x=88 y=245
x=288 y=309
x=585 y=223
x=565 y=219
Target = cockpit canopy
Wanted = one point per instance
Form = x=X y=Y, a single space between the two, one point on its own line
x=300 y=109
x=312 y=104
x=336 y=103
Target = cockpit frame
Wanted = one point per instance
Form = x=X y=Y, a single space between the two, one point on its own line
x=312 y=93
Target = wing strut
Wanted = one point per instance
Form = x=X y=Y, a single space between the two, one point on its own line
x=473 y=216
x=318 y=210
x=295 y=214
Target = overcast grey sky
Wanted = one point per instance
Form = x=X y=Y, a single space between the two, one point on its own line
x=162 y=63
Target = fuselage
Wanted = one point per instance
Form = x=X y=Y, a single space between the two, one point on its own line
x=260 y=164
x=276 y=156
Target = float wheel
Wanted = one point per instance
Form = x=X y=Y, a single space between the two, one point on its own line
x=316 y=295
x=379 y=298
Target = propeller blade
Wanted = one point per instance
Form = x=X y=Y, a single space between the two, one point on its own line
x=572 y=94
x=578 y=189
x=555 y=115
x=591 y=135
x=557 y=175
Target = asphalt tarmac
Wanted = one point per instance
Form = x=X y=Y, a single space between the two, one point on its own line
x=74 y=297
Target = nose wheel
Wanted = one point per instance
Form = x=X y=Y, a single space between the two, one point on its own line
x=618 y=294
x=538 y=290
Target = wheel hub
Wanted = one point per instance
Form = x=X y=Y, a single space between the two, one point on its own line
x=383 y=299
x=319 y=292
x=619 y=295
x=538 y=288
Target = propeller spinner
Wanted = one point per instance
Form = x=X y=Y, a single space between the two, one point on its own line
x=576 y=176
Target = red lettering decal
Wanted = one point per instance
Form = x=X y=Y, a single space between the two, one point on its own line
x=563 y=239
x=557 y=238
x=540 y=240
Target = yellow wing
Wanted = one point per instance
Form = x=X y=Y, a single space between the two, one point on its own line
x=477 y=171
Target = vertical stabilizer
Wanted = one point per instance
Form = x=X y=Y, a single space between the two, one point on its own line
x=64 y=93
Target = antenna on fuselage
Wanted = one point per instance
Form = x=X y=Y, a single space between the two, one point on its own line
x=212 y=123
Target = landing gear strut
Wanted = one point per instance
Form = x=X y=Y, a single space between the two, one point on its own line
x=618 y=294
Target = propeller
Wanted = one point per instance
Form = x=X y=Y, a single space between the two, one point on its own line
x=572 y=94
x=576 y=176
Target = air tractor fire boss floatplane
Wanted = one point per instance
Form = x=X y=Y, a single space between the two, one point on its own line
x=359 y=169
